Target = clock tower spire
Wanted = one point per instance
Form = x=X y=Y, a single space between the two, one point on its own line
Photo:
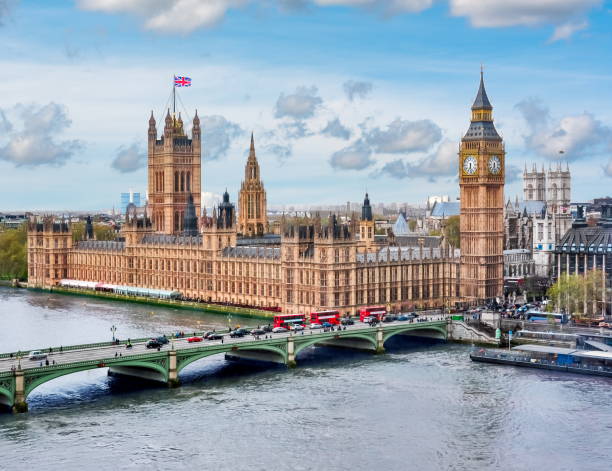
x=481 y=182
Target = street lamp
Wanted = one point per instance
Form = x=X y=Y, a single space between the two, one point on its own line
x=113 y=329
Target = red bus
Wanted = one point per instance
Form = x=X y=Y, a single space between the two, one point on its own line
x=378 y=311
x=285 y=320
x=319 y=317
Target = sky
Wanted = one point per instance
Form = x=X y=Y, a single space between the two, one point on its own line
x=343 y=96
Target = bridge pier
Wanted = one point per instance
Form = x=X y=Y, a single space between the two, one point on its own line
x=173 y=380
x=380 y=340
x=20 y=404
x=291 y=363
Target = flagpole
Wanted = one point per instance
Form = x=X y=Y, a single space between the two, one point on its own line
x=173 y=97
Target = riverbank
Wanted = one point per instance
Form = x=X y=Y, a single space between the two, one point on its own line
x=169 y=303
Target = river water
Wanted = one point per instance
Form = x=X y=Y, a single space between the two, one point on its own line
x=420 y=406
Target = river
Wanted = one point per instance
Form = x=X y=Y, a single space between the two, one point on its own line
x=420 y=406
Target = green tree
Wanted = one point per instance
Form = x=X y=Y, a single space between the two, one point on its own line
x=579 y=295
x=13 y=253
x=412 y=225
x=452 y=232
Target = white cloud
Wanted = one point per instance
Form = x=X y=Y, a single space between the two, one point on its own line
x=335 y=128
x=301 y=104
x=404 y=136
x=443 y=162
x=495 y=13
x=33 y=143
x=577 y=136
x=217 y=136
x=386 y=6
x=566 y=30
x=357 y=156
x=356 y=89
x=168 y=16
x=129 y=159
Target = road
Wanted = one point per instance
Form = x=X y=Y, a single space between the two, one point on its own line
x=139 y=348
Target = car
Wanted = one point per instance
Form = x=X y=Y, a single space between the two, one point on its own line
x=258 y=332
x=236 y=333
x=370 y=319
x=347 y=321
x=403 y=317
x=37 y=355
x=206 y=334
x=326 y=325
x=214 y=336
x=267 y=328
x=242 y=331
x=162 y=339
x=194 y=339
x=297 y=327
x=278 y=330
x=389 y=318
x=314 y=325
x=153 y=343
x=605 y=324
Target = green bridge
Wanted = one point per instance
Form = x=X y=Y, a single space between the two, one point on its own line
x=19 y=376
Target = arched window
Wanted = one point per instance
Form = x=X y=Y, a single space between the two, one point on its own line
x=176 y=220
x=182 y=181
x=176 y=181
x=189 y=181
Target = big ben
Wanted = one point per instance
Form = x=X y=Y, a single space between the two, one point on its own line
x=481 y=181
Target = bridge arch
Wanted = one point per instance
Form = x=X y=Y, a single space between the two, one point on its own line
x=301 y=345
x=188 y=359
x=6 y=394
x=439 y=332
x=38 y=380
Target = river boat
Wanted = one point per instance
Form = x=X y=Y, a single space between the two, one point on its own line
x=568 y=360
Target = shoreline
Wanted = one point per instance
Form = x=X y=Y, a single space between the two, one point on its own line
x=189 y=305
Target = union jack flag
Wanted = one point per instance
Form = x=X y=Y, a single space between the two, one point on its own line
x=180 y=81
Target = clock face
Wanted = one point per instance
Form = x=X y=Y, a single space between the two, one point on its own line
x=494 y=164
x=470 y=165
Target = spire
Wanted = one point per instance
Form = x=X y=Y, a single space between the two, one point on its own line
x=482 y=100
x=252 y=150
x=196 y=119
x=151 y=120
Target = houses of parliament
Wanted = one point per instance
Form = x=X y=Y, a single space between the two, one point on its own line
x=229 y=256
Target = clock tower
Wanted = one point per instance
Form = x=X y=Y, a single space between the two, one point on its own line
x=481 y=181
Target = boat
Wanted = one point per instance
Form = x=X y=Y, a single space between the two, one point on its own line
x=568 y=360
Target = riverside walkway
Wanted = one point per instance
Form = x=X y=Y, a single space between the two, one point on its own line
x=19 y=376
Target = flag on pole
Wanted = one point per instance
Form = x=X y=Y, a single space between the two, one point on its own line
x=181 y=81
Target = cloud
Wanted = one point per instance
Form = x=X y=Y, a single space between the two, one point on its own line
x=295 y=130
x=387 y=7
x=513 y=173
x=404 y=136
x=577 y=135
x=129 y=159
x=496 y=13
x=443 y=162
x=168 y=16
x=217 y=136
x=357 y=156
x=299 y=105
x=6 y=8
x=335 y=128
x=34 y=142
x=608 y=168
x=355 y=89
x=565 y=31
x=281 y=151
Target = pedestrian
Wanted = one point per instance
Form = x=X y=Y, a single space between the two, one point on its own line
x=221 y=339
x=158 y=349
x=40 y=363
x=115 y=354
x=47 y=362
x=54 y=362
x=61 y=349
x=120 y=354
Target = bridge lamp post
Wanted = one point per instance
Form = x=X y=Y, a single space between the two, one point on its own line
x=113 y=329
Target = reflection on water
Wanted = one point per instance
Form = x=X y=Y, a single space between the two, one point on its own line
x=420 y=406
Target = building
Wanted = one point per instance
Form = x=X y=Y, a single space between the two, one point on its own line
x=310 y=265
x=585 y=248
x=127 y=198
x=252 y=215
x=481 y=183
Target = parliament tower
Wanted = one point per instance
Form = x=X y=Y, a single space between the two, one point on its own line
x=252 y=211
x=481 y=182
x=174 y=166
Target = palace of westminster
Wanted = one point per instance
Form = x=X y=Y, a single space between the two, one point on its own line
x=230 y=256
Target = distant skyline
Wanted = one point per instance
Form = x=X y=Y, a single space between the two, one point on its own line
x=342 y=95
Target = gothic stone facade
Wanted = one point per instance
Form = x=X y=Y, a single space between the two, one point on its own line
x=312 y=266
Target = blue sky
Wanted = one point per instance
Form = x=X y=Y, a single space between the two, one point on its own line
x=342 y=95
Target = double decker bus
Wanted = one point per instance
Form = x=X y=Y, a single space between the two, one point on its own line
x=319 y=317
x=372 y=311
x=287 y=320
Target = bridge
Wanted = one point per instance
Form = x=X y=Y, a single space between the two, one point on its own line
x=19 y=376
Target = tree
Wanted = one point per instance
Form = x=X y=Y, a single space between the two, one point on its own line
x=579 y=295
x=13 y=253
x=412 y=225
x=452 y=232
